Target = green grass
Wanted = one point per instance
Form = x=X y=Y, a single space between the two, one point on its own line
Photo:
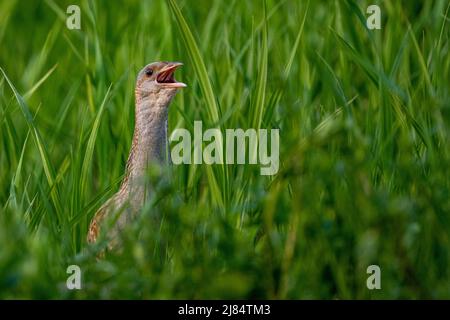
x=364 y=119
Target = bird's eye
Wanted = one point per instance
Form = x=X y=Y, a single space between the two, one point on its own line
x=149 y=72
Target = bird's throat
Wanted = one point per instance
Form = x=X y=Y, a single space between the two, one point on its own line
x=149 y=145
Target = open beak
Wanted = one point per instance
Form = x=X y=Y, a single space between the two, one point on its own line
x=165 y=76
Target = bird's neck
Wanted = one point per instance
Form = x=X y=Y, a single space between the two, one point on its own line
x=149 y=144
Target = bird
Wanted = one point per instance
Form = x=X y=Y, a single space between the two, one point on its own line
x=154 y=90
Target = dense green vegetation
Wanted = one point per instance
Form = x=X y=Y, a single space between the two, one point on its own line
x=364 y=119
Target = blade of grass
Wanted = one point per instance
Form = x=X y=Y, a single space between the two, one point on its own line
x=89 y=152
x=197 y=62
x=261 y=82
x=205 y=85
x=30 y=92
x=47 y=165
x=287 y=69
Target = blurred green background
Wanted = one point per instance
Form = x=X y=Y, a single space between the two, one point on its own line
x=364 y=119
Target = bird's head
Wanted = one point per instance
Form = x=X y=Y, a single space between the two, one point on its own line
x=156 y=81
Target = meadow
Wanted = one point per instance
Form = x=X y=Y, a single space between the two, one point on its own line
x=364 y=172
